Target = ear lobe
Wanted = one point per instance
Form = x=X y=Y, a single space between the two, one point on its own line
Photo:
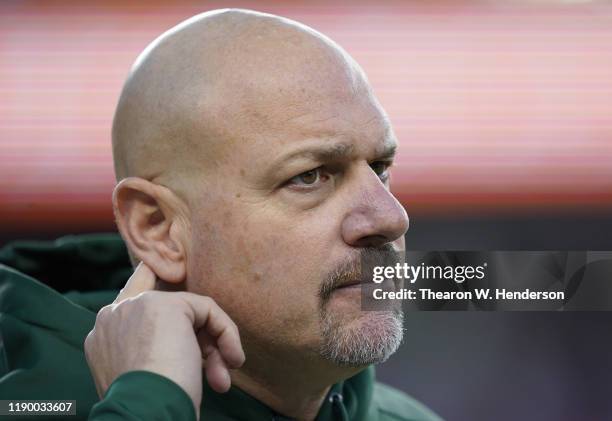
x=150 y=223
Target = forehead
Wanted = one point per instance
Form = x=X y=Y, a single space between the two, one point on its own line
x=266 y=132
x=256 y=115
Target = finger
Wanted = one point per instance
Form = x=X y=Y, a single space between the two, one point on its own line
x=209 y=316
x=217 y=373
x=143 y=279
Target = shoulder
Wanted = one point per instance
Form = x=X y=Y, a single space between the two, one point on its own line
x=394 y=405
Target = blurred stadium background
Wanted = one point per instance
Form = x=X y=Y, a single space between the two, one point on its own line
x=504 y=114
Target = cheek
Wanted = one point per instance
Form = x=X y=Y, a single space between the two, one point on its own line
x=263 y=273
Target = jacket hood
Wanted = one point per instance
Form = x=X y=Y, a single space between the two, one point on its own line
x=82 y=263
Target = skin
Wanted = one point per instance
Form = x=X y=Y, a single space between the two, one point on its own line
x=252 y=160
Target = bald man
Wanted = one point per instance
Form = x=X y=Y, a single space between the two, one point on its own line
x=252 y=161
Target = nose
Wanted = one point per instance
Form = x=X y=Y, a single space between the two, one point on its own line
x=375 y=217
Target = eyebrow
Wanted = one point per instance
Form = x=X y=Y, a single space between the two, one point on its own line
x=333 y=152
x=388 y=151
x=337 y=152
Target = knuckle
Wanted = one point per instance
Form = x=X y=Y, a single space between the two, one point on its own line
x=147 y=298
x=187 y=298
x=151 y=303
x=103 y=314
x=206 y=300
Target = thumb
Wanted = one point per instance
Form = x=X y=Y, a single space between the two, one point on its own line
x=143 y=279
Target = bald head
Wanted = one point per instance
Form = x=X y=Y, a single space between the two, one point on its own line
x=209 y=82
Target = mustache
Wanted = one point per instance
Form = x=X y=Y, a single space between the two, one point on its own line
x=351 y=270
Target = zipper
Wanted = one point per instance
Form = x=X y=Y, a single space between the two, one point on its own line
x=337 y=401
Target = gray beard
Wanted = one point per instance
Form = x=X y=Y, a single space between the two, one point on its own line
x=371 y=339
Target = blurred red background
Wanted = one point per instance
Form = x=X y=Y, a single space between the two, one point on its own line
x=500 y=107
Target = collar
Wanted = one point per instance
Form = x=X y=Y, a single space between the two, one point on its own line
x=347 y=400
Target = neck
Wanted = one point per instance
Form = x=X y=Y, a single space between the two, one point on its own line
x=292 y=386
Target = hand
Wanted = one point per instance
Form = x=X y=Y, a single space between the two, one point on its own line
x=167 y=333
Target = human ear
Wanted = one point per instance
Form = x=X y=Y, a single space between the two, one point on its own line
x=152 y=221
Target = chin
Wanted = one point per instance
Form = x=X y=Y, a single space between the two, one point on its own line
x=370 y=337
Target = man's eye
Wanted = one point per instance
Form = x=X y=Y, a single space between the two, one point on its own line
x=307 y=178
x=381 y=168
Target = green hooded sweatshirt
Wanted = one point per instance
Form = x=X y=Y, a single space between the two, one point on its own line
x=50 y=292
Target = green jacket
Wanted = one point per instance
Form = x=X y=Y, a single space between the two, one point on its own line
x=50 y=293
